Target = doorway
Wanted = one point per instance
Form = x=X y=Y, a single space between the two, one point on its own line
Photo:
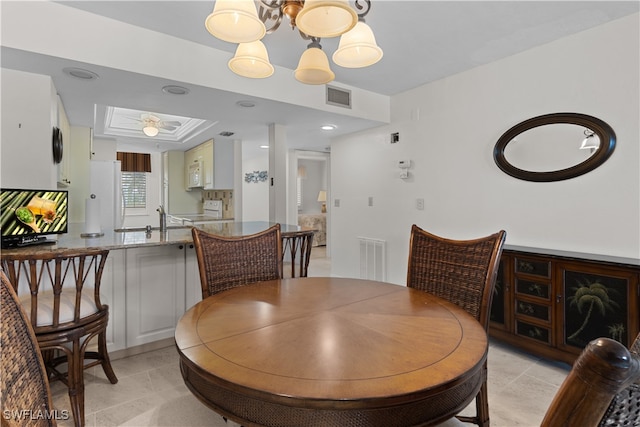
x=313 y=194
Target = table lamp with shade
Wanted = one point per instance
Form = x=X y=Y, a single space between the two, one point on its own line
x=322 y=197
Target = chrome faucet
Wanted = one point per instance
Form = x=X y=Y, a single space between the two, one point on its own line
x=163 y=218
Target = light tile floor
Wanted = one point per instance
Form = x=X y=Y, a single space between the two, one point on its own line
x=151 y=392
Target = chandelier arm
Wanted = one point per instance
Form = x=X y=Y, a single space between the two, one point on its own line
x=270 y=13
x=315 y=41
x=362 y=13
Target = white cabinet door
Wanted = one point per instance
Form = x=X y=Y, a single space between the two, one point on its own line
x=208 y=164
x=112 y=293
x=218 y=164
x=155 y=292
x=193 y=290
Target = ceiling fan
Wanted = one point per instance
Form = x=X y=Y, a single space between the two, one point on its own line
x=151 y=124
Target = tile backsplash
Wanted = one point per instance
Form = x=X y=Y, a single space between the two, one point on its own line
x=227 y=200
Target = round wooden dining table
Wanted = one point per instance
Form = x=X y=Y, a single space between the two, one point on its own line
x=325 y=351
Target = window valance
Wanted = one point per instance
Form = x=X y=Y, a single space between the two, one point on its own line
x=134 y=162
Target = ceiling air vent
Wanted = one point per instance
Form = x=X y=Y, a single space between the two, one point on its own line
x=338 y=97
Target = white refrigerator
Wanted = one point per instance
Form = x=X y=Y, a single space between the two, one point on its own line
x=106 y=184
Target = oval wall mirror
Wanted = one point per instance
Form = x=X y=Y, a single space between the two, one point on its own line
x=554 y=147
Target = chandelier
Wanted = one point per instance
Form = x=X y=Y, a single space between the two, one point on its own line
x=240 y=21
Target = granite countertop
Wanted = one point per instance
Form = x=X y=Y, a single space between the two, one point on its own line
x=138 y=237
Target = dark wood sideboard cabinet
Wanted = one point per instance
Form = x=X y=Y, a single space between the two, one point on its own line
x=552 y=303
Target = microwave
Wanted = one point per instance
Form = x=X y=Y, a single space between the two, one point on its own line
x=196 y=175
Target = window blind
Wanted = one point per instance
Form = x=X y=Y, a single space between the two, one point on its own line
x=134 y=189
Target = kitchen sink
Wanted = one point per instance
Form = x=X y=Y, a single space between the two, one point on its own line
x=138 y=229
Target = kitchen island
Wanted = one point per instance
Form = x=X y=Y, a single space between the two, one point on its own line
x=151 y=278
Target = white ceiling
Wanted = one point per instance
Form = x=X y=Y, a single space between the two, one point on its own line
x=423 y=41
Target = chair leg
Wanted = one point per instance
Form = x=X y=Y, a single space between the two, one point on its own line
x=104 y=357
x=75 y=378
x=482 y=405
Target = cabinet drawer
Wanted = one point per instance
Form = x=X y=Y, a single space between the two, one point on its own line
x=534 y=289
x=538 y=311
x=534 y=332
x=533 y=267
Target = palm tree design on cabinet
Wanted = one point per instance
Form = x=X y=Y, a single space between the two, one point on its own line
x=596 y=304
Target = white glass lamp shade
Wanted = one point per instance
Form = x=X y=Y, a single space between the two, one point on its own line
x=251 y=60
x=591 y=142
x=324 y=18
x=357 y=48
x=235 y=21
x=313 y=68
x=150 y=130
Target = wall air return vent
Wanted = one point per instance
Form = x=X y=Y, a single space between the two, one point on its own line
x=338 y=97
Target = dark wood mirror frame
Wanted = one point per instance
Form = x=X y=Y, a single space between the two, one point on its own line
x=603 y=130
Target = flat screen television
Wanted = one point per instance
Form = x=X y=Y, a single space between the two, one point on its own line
x=28 y=216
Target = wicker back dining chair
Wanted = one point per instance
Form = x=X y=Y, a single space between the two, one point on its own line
x=24 y=387
x=464 y=273
x=62 y=300
x=624 y=409
x=605 y=370
x=228 y=262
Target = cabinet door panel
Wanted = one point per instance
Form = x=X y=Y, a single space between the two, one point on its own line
x=501 y=296
x=595 y=305
x=193 y=290
x=155 y=292
x=112 y=293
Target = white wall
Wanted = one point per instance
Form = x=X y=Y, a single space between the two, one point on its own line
x=448 y=129
x=255 y=195
x=29 y=113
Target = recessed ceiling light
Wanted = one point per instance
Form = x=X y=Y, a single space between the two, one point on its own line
x=328 y=127
x=264 y=146
x=246 y=104
x=79 y=73
x=175 y=90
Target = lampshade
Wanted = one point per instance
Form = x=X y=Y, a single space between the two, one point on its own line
x=322 y=196
x=313 y=68
x=235 y=21
x=251 y=60
x=357 y=48
x=326 y=18
x=150 y=130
